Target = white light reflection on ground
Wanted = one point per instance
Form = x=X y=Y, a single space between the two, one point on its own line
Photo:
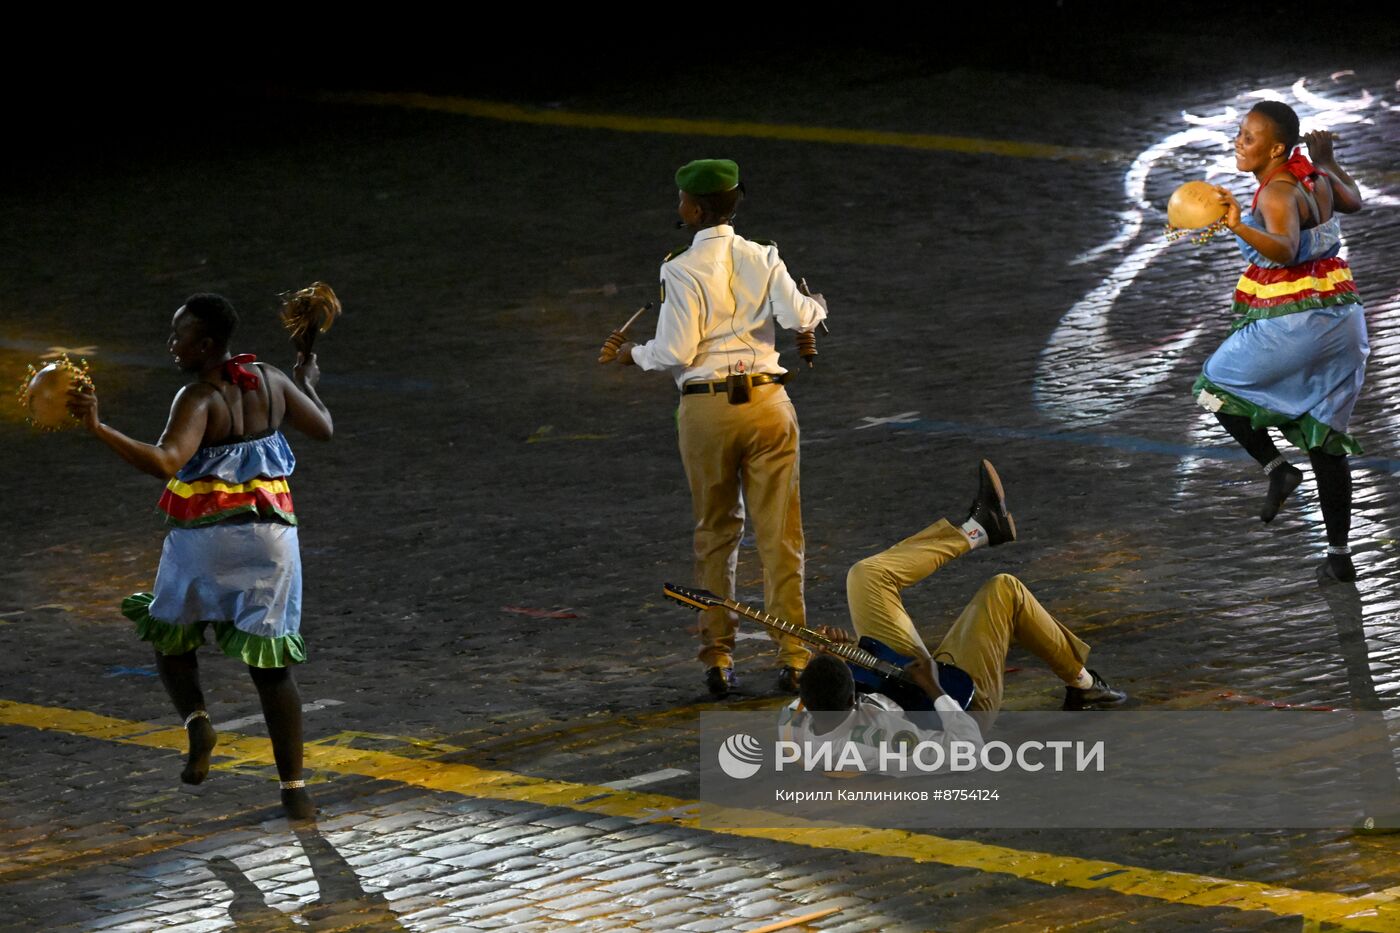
x=427 y=864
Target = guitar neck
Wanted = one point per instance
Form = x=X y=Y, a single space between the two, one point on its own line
x=846 y=651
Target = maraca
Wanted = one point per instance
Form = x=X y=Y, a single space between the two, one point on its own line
x=45 y=393
x=1195 y=206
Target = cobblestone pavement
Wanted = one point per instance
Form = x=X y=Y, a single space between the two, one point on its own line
x=486 y=537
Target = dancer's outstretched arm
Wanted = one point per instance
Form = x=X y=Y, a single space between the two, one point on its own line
x=178 y=442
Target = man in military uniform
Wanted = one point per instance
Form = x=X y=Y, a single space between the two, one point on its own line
x=738 y=430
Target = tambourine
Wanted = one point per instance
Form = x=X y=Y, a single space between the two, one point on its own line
x=44 y=393
x=1195 y=206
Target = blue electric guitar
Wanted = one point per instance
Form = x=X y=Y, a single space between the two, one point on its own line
x=875 y=666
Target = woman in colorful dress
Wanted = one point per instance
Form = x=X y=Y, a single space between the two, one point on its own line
x=1296 y=357
x=231 y=559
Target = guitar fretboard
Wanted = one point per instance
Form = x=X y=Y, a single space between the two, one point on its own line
x=846 y=651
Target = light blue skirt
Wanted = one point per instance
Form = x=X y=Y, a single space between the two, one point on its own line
x=1308 y=365
x=244 y=579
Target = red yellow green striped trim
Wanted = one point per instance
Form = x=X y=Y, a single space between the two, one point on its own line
x=198 y=506
x=1321 y=283
x=205 y=486
x=206 y=501
x=1249 y=315
x=261 y=510
x=1321 y=274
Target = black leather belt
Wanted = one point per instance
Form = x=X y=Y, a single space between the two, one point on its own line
x=718 y=388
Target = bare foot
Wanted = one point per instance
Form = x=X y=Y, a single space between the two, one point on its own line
x=298 y=803
x=1282 y=481
x=203 y=738
x=1337 y=568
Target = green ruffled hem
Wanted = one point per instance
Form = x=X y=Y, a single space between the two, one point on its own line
x=1305 y=433
x=253 y=650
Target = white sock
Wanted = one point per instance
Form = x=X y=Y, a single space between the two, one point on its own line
x=976 y=534
x=1084 y=681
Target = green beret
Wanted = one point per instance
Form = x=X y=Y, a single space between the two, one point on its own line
x=708 y=176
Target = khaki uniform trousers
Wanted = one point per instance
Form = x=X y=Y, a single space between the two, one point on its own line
x=1002 y=611
x=750 y=449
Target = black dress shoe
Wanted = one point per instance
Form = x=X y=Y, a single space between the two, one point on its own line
x=989 y=508
x=788 y=680
x=719 y=681
x=1100 y=696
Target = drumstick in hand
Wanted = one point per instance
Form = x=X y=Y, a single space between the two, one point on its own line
x=807 y=341
x=619 y=336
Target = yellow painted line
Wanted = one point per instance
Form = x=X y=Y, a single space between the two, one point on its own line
x=585 y=735
x=1365 y=912
x=679 y=126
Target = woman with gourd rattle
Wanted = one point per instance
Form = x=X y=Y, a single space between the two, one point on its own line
x=231 y=559
x=1296 y=357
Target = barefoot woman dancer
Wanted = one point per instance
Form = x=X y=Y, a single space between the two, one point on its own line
x=1296 y=357
x=231 y=560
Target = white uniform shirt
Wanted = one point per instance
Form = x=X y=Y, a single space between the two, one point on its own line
x=877 y=720
x=719 y=300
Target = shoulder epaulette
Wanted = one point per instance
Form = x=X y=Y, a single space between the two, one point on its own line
x=762 y=242
x=676 y=252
